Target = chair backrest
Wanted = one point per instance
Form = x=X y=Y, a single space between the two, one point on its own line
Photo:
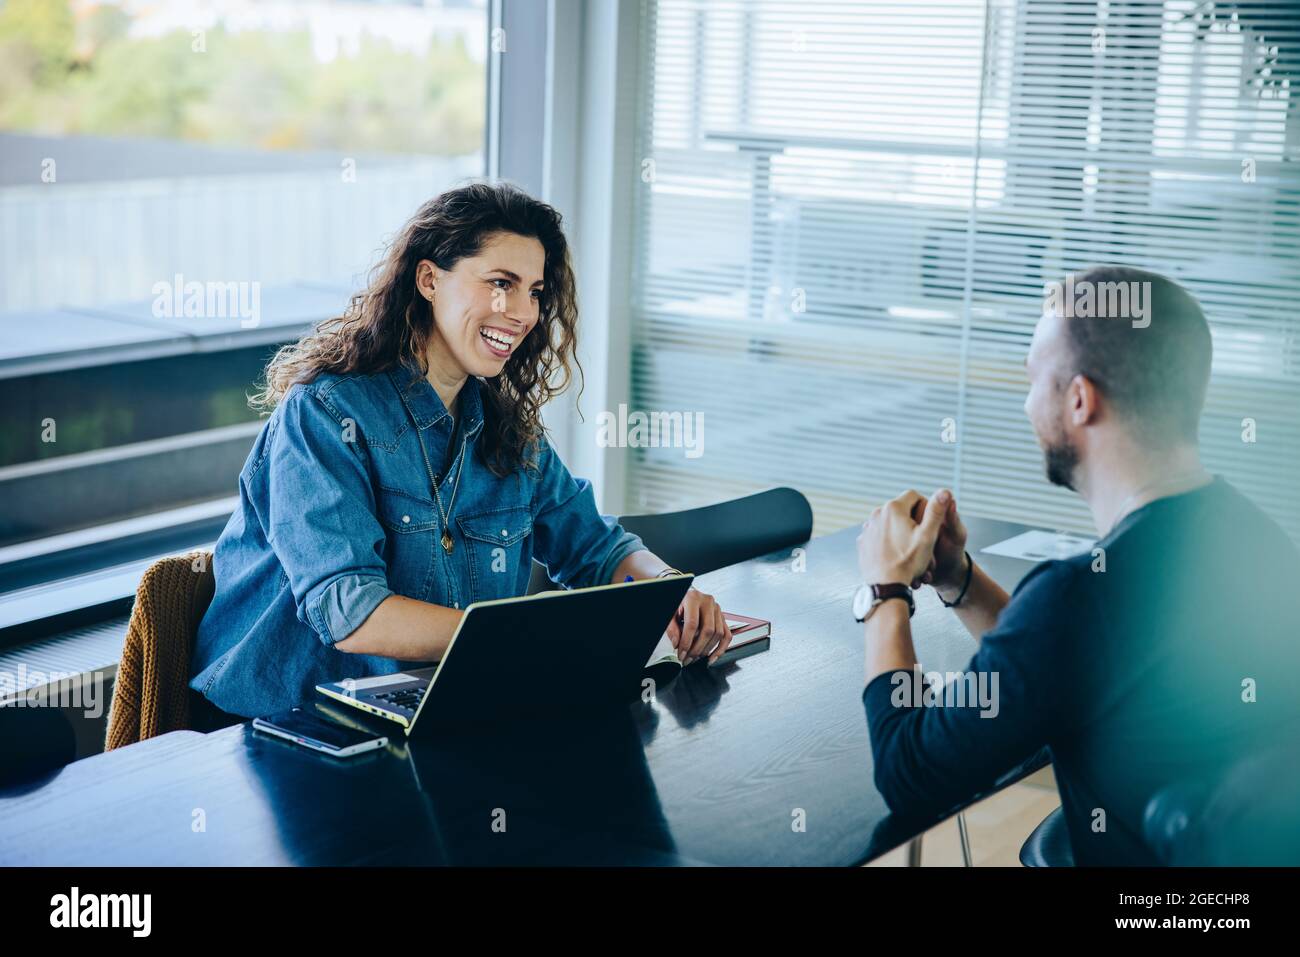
x=704 y=539
x=1247 y=817
x=700 y=540
x=38 y=742
x=151 y=694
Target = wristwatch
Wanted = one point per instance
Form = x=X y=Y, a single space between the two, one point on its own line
x=870 y=597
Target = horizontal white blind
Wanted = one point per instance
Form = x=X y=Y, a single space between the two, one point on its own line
x=848 y=212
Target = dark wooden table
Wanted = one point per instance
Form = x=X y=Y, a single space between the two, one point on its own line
x=764 y=763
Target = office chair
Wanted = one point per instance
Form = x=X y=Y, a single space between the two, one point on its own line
x=704 y=539
x=38 y=742
x=1246 y=817
x=151 y=694
x=1049 y=844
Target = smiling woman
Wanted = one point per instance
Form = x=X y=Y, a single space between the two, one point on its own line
x=404 y=472
x=460 y=259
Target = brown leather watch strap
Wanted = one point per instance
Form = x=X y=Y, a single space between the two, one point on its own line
x=895 y=590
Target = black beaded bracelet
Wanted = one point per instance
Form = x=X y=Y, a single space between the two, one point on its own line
x=970 y=571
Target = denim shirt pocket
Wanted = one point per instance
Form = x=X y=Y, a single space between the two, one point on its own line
x=412 y=523
x=497 y=545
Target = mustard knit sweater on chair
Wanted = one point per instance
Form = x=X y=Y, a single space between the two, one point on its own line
x=151 y=695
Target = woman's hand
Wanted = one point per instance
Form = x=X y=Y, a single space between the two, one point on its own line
x=699 y=628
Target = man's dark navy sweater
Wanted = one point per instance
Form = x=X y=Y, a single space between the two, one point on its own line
x=1180 y=657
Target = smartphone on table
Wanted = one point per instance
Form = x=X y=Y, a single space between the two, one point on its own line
x=318 y=734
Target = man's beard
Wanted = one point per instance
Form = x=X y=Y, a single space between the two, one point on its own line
x=1061 y=458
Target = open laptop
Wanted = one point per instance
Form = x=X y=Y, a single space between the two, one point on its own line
x=555 y=652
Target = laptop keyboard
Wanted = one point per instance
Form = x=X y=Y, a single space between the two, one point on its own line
x=405 y=699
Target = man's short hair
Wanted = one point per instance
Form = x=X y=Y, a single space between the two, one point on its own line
x=1153 y=367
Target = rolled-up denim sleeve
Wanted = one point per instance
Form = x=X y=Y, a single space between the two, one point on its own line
x=321 y=522
x=579 y=546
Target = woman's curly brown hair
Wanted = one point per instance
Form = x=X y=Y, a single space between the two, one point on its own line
x=389 y=323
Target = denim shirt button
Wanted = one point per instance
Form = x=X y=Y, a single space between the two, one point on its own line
x=504 y=533
x=406 y=520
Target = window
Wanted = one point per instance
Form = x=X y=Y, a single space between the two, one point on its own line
x=852 y=210
x=259 y=154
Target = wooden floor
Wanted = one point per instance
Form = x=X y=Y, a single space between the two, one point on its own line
x=997 y=827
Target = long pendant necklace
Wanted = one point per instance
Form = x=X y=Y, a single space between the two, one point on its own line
x=448 y=543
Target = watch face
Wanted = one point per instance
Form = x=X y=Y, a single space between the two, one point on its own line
x=862 y=602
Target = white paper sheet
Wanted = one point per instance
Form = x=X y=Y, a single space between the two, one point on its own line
x=1038 y=546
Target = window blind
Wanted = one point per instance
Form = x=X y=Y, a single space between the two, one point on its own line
x=847 y=212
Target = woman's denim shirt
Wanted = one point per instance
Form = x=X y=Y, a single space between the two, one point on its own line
x=336 y=512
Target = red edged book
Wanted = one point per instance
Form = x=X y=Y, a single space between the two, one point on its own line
x=749 y=636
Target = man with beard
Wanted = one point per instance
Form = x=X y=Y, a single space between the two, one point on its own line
x=1158 y=659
